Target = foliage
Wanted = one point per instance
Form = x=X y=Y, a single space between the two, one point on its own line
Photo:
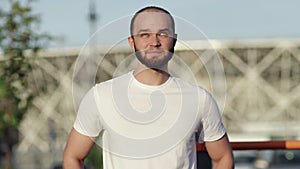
x=19 y=41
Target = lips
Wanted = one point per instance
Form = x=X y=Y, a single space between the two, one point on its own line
x=154 y=52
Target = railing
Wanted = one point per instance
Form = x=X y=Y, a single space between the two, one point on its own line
x=260 y=145
x=204 y=161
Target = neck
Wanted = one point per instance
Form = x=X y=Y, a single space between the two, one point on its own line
x=152 y=77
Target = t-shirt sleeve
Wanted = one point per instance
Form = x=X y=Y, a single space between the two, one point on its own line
x=87 y=121
x=211 y=127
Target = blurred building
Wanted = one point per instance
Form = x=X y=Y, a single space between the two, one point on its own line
x=262 y=89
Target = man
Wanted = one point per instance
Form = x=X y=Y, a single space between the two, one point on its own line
x=147 y=118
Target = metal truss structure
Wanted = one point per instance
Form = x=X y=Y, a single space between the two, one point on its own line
x=262 y=89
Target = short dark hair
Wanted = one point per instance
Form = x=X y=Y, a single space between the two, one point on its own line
x=151 y=8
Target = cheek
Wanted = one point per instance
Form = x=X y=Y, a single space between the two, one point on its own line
x=139 y=45
x=168 y=45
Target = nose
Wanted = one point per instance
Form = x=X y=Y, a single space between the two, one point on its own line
x=154 y=41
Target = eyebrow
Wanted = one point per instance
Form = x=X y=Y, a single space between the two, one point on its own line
x=148 y=30
x=143 y=30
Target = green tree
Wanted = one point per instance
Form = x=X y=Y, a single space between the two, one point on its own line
x=19 y=41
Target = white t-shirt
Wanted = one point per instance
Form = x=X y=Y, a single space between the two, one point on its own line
x=145 y=127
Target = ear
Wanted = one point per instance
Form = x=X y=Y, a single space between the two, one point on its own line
x=174 y=39
x=131 y=42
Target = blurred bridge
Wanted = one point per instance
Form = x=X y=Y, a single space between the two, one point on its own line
x=262 y=90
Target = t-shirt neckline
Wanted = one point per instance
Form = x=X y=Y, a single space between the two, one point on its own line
x=138 y=83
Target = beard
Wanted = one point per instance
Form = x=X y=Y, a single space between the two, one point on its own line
x=154 y=62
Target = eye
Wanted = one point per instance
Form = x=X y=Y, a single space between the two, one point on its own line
x=144 y=35
x=163 y=34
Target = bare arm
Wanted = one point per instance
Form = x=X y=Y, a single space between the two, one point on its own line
x=77 y=148
x=221 y=153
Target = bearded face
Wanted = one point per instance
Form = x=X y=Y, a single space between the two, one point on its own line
x=153 y=39
x=154 y=58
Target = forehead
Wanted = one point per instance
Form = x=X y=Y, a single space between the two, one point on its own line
x=152 y=20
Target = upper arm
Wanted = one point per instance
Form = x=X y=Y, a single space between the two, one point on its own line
x=77 y=148
x=211 y=127
x=88 y=117
x=220 y=152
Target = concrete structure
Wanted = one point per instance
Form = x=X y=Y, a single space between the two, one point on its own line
x=262 y=89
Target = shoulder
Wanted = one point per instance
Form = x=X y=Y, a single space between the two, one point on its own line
x=189 y=86
x=112 y=83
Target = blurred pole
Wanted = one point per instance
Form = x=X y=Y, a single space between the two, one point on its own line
x=92 y=16
x=52 y=140
x=91 y=61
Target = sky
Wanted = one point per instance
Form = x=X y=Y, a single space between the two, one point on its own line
x=217 y=19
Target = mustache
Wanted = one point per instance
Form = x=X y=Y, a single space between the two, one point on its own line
x=154 y=51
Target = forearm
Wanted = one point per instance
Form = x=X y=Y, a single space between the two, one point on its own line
x=69 y=163
x=221 y=154
x=77 y=148
x=224 y=163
